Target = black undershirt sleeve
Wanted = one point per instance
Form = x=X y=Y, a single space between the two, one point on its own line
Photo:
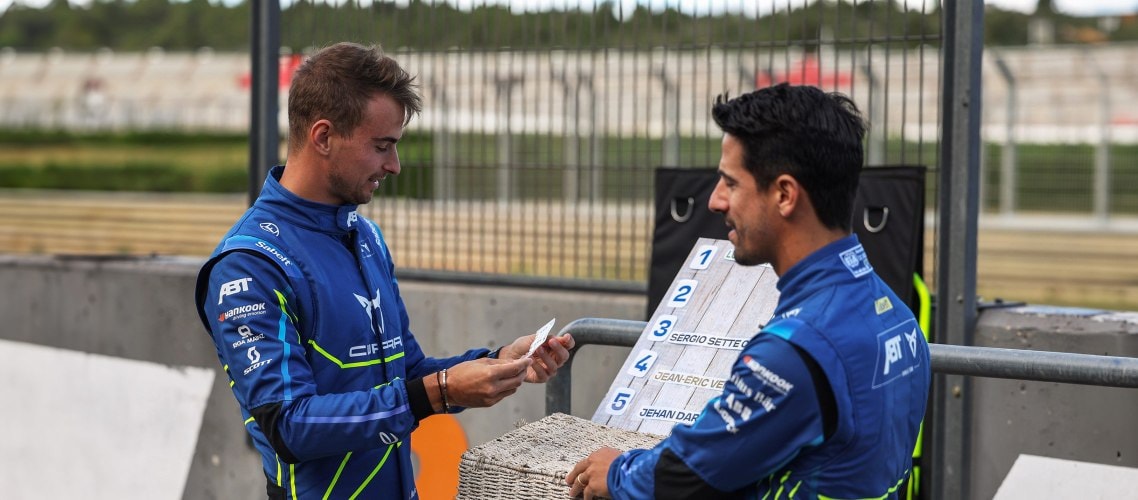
x=418 y=399
x=674 y=480
x=267 y=417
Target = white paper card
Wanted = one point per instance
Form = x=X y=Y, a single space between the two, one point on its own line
x=540 y=337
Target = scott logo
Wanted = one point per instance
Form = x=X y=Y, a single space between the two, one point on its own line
x=254 y=360
x=236 y=286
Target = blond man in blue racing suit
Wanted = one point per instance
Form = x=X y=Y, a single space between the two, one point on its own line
x=301 y=301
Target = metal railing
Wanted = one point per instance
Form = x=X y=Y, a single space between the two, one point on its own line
x=992 y=362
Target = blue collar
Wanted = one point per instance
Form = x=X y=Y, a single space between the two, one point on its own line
x=843 y=259
x=305 y=213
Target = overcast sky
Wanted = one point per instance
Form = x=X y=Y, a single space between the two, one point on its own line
x=1073 y=7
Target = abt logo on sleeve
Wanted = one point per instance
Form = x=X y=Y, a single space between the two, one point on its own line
x=236 y=286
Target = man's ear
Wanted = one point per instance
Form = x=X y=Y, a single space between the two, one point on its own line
x=320 y=137
x=788 y=194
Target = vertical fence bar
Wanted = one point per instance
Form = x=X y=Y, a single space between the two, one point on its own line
x=264 y=132
x=1101 y=191
x=958 y=209
x=1008 y=154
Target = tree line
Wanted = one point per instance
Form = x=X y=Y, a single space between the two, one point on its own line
x=180 y=25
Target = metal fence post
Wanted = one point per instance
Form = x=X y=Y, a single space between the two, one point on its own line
x=587 y=331
x=1101 y=191
x=1008 y=154
x=264 y=131
x=875 y=109
x=963 y=28
x=506 y=181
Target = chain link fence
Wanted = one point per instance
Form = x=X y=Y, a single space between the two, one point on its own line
x=537 y=159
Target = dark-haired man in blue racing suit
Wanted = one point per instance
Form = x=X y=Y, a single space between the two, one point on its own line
x=301 y=301
x=827 y=399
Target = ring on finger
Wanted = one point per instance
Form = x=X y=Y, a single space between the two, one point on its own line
x=579 y=481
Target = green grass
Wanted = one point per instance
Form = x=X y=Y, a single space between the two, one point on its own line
x=1052 y=178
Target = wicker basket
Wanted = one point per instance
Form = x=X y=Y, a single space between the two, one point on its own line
x=531 y=462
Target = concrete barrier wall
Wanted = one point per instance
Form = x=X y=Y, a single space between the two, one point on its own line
x=1072 y=422
x=141 y=310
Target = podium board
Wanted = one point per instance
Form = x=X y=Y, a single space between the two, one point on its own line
x=684 y=355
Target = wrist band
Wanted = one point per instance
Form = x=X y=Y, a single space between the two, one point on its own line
x=443 y=385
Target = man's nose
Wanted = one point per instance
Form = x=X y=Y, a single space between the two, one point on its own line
x=718 y=200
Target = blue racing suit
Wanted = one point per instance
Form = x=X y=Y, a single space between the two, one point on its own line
x=824 y=402
x=302 y=304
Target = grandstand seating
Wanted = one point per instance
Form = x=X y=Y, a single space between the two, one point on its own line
x=1058 y=89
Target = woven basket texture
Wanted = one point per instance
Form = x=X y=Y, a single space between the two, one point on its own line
x=531 y=462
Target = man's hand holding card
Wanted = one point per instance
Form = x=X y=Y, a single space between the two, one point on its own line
x=548 y=353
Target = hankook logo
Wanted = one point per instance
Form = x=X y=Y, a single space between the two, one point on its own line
x=271 y=228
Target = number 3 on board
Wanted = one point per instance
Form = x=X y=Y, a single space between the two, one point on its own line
x=703 y=257
x=664 y=325
x=620 y=400
x=682 y=293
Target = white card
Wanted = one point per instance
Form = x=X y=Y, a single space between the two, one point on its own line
x=540 y=337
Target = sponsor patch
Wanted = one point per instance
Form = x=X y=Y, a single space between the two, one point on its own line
x=280 y=256
x=247 y=336
x=245 y=311
x=882 y=305
x=236 y=286
x=270 y=228
x=255 y=360
x=771 y=379
x=856 y=261
x=896 y=353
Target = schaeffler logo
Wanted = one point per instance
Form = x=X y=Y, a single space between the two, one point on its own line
x=236 y=286
x=271 y=228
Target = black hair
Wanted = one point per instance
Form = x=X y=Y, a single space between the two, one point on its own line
x=811 y=135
